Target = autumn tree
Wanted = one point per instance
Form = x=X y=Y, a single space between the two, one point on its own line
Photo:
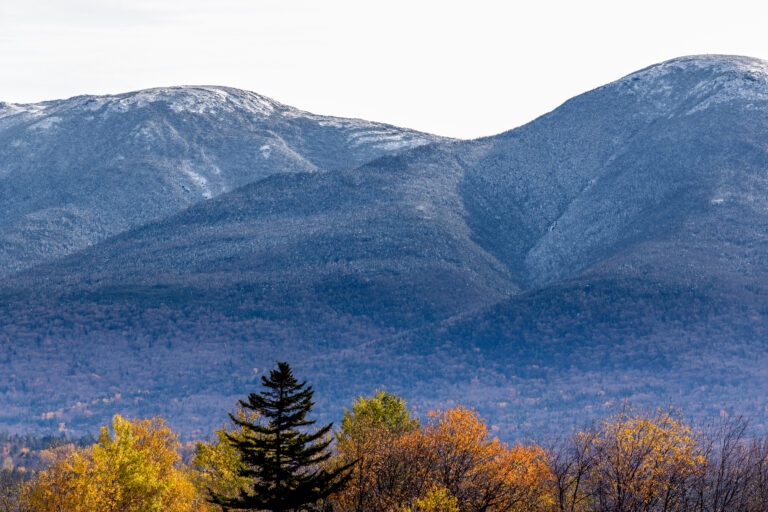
x=481 y=472
x=383 y=411
x=134 y=467
x=437 y=500
x=218 y=467
x=53 y=489
x=12 y=481
x=281 y=460
x=366 y=438
x=642 y=462
x=452 y=455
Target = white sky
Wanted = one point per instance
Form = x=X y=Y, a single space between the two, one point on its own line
x=462 y=69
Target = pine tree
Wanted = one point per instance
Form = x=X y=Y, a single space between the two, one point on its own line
x=282 y=461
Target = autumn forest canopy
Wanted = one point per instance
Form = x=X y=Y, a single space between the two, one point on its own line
x=381 y=458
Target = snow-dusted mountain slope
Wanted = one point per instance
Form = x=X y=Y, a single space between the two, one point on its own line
x=75 y=171
x=615 y=247
x=624 y=162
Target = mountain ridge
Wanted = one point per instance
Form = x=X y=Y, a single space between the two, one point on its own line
x=612 y=248
x=112 y=162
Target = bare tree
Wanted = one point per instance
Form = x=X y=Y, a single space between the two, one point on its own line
x=758 y=484
x=722 y=486
x=570 y=461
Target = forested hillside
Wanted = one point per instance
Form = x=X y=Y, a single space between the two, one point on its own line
x=613 y=248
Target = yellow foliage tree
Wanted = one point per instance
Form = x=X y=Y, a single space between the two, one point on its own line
x=217 y=463
x=436 y=500
x=53 y=489
x=642 y=461
x=133 y=468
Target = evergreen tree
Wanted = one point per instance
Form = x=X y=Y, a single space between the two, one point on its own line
x=282 y=462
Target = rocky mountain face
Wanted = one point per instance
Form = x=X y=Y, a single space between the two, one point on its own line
x=613 y=248
x=73 y=172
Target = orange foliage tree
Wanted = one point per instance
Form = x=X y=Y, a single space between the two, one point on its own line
x=481 y=472
x=371 y=435
x=452 y=457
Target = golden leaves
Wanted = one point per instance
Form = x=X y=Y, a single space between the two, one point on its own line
x=133 y=468
x=641 y=460
x=217 y=464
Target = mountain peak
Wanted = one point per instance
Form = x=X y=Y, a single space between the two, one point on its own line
x=712 y=62
x=699 y=81
x=143 y=154
x=197 y=99
x=185 y=98
x=746 y=71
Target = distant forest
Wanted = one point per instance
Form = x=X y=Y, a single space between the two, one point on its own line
x=272 y=455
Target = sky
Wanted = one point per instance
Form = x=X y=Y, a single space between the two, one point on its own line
x=461 y=69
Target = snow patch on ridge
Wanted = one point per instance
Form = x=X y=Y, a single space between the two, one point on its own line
x=193 y=99
x=703 y=81
x=12 y=114
x=366 y=133
x=200 y=181
x=384 y=138
x=46 y=124
x=10 y=109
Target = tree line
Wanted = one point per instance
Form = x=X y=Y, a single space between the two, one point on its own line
x=273 y=457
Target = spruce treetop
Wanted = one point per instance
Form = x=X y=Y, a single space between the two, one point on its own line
x=281 y=458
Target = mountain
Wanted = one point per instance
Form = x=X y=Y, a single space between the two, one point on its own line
x=613 y=248
x=73 y=172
